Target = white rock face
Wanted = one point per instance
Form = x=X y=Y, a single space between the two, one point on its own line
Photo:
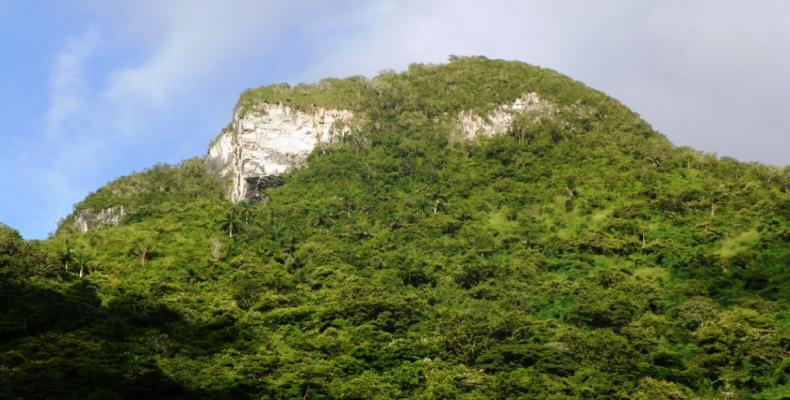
x=271 y=139
x=87 y=219
x=498 y=121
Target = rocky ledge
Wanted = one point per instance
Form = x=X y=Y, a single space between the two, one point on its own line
x=269 y=140
x=88 y=219
x=262 y=143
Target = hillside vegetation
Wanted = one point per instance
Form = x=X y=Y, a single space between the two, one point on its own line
x=578 y=257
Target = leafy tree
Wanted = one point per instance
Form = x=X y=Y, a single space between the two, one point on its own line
x=142 y=248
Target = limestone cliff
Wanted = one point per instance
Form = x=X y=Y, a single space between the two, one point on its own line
x=88 y=219
x=269 y=140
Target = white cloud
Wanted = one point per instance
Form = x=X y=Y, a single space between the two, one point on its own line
x=196 y=41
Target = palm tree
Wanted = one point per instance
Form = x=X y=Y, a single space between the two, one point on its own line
x=276 y=228
x=66 y=256
x=82 y=261
x=245 y=212
x=230 y=222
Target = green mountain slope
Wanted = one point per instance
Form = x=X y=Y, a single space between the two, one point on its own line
x=578 y=256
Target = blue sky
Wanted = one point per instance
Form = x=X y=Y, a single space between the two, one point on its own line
x=93 y=90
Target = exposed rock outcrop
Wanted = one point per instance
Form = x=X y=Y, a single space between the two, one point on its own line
x=86 y=220
x=499 y=121
x=269 y=140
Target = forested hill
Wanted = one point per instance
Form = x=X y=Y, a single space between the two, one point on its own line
x=578 y=255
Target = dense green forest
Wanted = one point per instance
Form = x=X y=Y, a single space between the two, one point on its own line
x=581 y=256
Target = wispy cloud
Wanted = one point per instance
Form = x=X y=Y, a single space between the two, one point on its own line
x=100 y=112
x=68 y=146
x=68 y=85
x=196 y=40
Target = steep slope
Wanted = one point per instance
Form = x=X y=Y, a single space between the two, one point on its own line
x=270 y=140
x=479 y=229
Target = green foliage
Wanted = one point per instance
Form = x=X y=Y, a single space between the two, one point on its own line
x=577 y=257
